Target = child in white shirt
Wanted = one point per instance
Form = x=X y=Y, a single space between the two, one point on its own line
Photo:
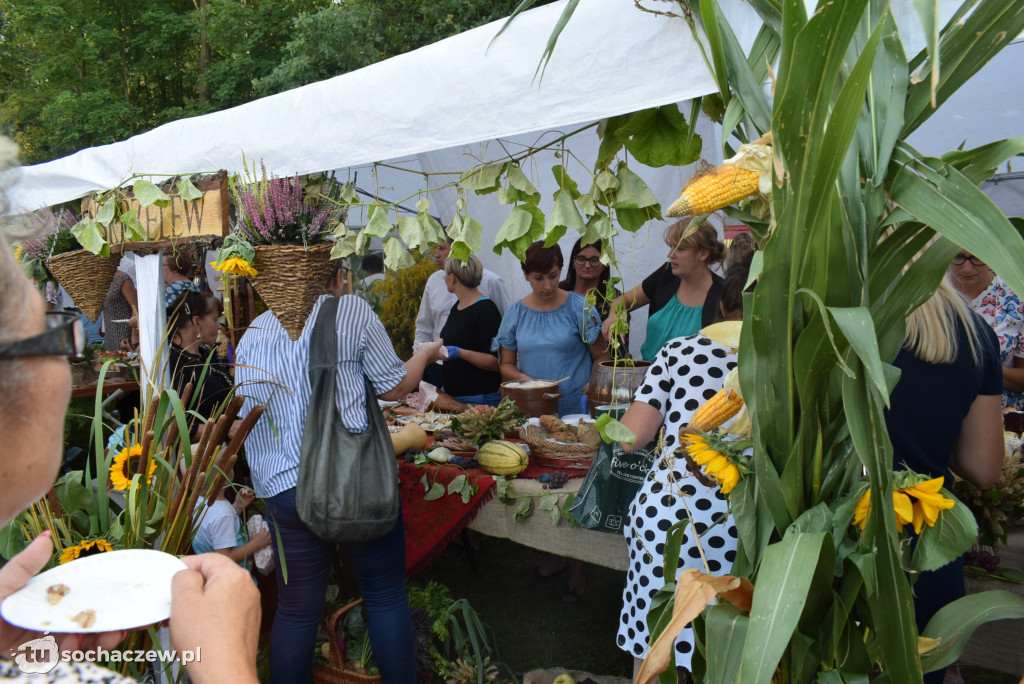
x=220 y=529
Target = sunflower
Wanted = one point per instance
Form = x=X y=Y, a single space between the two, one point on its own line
x=19 y=253
x=917 y=502
x=234 y=266
x=716 y=457
x=88 y=547
x=126 y=465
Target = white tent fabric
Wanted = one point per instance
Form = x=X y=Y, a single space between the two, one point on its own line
x=611 y=59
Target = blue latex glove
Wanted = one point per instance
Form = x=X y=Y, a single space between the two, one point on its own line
x=453 y=352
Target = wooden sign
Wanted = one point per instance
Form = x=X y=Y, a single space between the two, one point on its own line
x=206 y=216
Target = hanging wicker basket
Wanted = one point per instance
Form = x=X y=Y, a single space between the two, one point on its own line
x=291 y=278
x=86 y=277
x=335 y=672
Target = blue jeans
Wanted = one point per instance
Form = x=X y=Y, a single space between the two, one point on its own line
x=380 y=570
x=489 y=399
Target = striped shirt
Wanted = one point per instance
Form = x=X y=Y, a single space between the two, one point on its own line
x=274 y=371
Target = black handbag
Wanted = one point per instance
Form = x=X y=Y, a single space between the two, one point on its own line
x=348 y=482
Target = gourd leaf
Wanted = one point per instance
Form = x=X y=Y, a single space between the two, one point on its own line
x=106 y=213
x=564 y=214
x=470 y=239
x=134 y=231
x=90 y=236
x=379 y=225
x=436 y=492
x=564 y=181
x=482 y=180
x=660 y=136
x=411 y=232
x=396 y=256
x=520 y=188
x=187 y=191
x=457 y=484
x=149 y=194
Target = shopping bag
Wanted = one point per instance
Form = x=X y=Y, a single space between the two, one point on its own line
x=609 y=486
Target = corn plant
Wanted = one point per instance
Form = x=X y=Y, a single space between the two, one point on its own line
x=857 y=231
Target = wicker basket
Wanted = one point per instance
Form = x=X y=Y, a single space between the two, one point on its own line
x=86 y=277
x=291 y=279
x=544 y=452
x=335 y=672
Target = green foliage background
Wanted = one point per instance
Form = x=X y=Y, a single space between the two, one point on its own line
x=79 y=73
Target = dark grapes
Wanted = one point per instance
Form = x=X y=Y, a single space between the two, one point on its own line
x=544 y=478
x=982 y=559
x=558 y=480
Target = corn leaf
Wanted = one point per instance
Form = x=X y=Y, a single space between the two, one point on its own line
x=954 y=624
x=782 y=589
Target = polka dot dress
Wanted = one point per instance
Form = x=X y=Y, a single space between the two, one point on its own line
x=687 y=372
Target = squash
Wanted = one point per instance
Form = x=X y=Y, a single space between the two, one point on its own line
x=411 y=436
x=500 y=457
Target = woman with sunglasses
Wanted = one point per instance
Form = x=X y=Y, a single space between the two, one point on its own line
x=987 y=295
x=588 y=275
x=193 y=325
x=214 y=604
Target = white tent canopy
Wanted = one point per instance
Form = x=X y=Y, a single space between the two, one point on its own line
x=464 y=100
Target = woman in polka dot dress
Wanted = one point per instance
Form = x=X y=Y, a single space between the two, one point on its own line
x=686 y=372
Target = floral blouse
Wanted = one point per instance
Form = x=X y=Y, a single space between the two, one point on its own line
x=1003 y=311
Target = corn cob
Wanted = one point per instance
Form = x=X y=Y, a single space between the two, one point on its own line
x=716 y=410
x=712 y=191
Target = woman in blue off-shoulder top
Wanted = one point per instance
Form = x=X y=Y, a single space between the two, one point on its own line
x=550 y=334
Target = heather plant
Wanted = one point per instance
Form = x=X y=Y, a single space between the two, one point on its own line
x=273 y=210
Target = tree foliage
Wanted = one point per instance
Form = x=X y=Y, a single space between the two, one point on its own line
x=79 y=73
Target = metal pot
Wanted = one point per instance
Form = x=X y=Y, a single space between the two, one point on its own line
x=533 y=401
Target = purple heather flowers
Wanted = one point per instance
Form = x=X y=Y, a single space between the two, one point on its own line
x=274 y=210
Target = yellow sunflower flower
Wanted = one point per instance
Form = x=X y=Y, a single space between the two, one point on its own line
x=716 y=464
x=126 y=465
x=918 y=504
x=860 y=515
x=88 y=547
x=234 y=266
x=19 y=253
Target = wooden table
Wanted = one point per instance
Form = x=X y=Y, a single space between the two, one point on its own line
x=109 y=387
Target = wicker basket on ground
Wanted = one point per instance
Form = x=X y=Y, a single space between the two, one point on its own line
x=546 y=450
x=291 y=278
x=335 y=671
x=86 y=277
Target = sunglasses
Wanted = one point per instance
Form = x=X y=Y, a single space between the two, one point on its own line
x=581 y=260
x=64 y=336
x=959 y=260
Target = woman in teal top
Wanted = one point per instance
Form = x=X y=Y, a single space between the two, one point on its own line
x=684 y=293
x=550 y=333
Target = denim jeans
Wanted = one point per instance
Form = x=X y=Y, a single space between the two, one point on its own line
x=380 y=570
x=488 y=399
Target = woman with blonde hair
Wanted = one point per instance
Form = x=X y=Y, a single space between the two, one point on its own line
x=470 y=372
x=944 y=416
x=683 y=294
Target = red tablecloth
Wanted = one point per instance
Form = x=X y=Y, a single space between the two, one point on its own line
x=431 y=525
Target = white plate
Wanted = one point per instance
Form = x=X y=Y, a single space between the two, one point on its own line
x=572 y=419
x=383 y=403
x=124 y=589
